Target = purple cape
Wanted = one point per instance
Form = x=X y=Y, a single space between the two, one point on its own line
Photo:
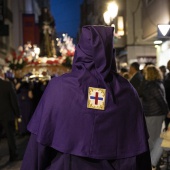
x=62 y=119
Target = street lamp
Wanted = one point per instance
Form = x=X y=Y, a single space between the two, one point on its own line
x=112 y=9
x=111 y=13
x=106 y=17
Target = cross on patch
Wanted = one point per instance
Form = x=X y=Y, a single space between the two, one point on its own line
x=96 y=98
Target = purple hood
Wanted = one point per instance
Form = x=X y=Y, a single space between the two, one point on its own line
x=62 y=119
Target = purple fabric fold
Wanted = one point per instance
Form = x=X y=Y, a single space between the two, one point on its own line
x=62 y=119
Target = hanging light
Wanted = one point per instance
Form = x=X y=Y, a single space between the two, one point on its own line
x=111 y=13
x=112 y=8
x=120 y=25
x=156 y=42
x=106 y=17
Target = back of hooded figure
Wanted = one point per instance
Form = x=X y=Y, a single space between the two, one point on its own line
x=91 y=118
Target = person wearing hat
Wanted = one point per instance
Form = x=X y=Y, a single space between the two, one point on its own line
x=90 y=118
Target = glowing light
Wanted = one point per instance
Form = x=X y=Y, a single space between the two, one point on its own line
x=106 y=17
x=111 y=13
x=36 y=51
x=156 y=46
x=112 y=9
x=120 y=26
x=157 y=42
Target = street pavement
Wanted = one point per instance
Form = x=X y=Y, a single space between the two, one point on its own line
x=21 y=142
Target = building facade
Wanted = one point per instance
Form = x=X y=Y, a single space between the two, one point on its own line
x=140 y=18
x=43 y=3
x=12 y=23
x=139 y=48
x=30 y=22
x=144 y=17
x=6 y=21
x=92 y=14
x=157 y=12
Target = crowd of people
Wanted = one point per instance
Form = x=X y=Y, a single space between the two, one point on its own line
x=151 y=83
x=153 y=87
x=19 y=98
x=29 y=92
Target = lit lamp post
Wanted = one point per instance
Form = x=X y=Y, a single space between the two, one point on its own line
x=111 y=13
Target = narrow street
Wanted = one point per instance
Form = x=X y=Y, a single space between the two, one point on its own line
x=4 y=157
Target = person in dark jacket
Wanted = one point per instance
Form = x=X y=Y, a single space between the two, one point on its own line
x=154 y=102
x=167 y=84
x=8 y=111
x=24 y=94
x=136 y=76
x=163 y=71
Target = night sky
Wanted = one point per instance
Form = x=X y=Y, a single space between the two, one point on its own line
x=67 y=16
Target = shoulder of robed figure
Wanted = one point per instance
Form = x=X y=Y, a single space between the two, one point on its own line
x=59 y=79
x=9 y=84
x=5 y=84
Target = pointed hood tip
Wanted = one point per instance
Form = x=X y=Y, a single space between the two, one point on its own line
x=96 y=45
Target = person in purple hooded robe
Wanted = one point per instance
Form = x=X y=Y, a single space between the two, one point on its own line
x=90 y=118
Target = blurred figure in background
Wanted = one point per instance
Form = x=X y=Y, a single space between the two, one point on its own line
x=123 y=70
x=163 y=71
x=143 y=70
x=126 y=75
x=8 y=111
x=161 y=144
x=154 y=102
x=25 y=96
x=136 y=76
x=167 y=84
